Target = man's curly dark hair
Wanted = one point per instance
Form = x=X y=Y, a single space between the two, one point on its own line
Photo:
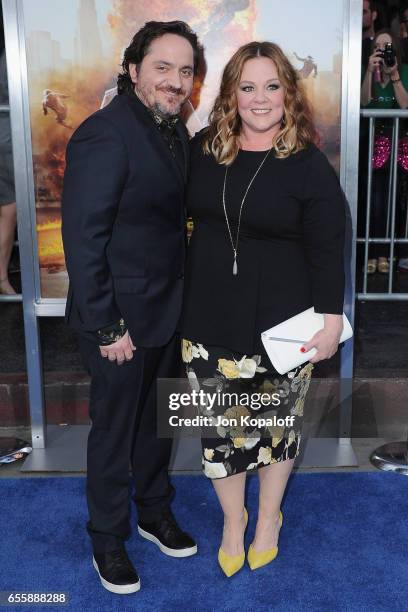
x=140 y=44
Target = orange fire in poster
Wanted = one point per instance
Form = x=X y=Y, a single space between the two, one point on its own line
x=50 y=248
x=223 y=23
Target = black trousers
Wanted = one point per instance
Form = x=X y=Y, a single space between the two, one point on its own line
x=122 y=410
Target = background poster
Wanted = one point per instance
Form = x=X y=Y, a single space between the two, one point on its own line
x=74 y=51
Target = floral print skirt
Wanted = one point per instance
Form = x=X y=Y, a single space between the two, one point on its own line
x=253 y=413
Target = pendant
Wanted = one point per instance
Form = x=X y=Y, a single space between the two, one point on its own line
x=235 y=267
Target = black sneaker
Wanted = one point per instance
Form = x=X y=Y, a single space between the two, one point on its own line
x=116 y=571
x=168 y=536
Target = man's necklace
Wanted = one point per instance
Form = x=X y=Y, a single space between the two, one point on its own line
x=235 y=247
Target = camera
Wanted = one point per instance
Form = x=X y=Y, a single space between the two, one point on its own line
x=387 y=54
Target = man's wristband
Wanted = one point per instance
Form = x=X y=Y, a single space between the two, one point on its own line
x=112 y=333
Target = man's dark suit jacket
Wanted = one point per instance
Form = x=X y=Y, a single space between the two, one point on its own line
x=123 y=224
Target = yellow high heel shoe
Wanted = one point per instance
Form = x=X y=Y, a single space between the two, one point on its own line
x=230 y=565
x=258 y=559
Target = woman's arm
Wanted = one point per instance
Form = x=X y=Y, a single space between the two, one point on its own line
x=401 y=93
x=375 y=62
x=366 y=88
x=324 y=224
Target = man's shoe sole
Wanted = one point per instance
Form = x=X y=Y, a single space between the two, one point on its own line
x=119 y=589
x=171 y=552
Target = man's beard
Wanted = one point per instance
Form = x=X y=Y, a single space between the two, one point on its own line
x=158 y=107
x=164 y=112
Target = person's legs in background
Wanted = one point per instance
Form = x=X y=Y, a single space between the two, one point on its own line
x=402 y=221
x=362 y=191
x=378 y=253
x=8 y=219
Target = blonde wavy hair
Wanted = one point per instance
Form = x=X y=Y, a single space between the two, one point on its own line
x=297 y=128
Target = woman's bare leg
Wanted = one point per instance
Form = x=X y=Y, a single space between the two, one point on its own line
x=8 y=219
x=272 y=484
x=231 y=495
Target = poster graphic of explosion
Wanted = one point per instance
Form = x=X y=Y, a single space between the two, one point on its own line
x=74 y=50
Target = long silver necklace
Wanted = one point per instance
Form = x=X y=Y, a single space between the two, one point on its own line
x=235 y=247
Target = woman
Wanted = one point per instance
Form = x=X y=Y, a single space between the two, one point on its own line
x=268 y=238
x=384 y=87
x=8 y=214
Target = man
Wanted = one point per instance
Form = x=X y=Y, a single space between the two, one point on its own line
x=370 y=14
x=123 y=226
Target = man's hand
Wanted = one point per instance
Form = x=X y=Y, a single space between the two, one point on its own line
x=120 y=351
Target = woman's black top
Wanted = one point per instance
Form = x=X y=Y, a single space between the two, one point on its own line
x=290 y=249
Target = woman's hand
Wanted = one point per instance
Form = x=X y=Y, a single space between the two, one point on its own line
x=326 y=340
x=390 y=70
x=375 y=61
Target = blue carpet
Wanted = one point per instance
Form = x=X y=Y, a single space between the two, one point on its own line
x=343 y=546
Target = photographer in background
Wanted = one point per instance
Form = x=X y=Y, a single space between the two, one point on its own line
x=385 y=85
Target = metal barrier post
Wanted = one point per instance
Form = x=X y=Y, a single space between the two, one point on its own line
x=368 y=198
x=350 y=120
x=393 y=172
x=393 y=456
x=24 y=182
x=391 y=240
x=390 y=177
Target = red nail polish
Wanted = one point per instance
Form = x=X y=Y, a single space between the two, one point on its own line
x=303 y=349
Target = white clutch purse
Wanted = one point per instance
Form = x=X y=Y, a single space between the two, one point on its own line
x=282 y=342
